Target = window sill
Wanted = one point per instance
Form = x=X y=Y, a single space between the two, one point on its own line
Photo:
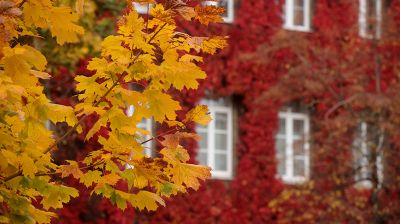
x=297 y=28
x=293 y=180
x=220 y=176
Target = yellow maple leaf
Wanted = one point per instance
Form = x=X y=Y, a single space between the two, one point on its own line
x=186 y=12
x=112 y=46
x=176 y=154
x=60 y=20
x=60 y=113
x=20 y=59
x=63 y=26
x=181 y=73
x=189 y=174
x=159 y=13
x=71 y=169
x=172 y=140
x=29 y=168
x=41 y=216
x=110 y=179
x=134 y=178
x=175 y=123
x=55 y=195
x=209 y=14
x=90 y=177
x=208 y=45
x=199 y=114
x=146 y=200
x=161 y=105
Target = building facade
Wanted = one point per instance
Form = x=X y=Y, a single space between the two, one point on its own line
x=305 y=128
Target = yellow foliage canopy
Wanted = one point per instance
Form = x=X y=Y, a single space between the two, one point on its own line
x=149 y=51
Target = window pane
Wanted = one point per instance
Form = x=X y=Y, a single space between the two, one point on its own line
x=298 y=147
x=224 y=4
x=203 y=140
x=282 y=126
x=280 y=146
x=299 y=167
x=281 y=155
x=371 y=16
x=202 y=158
x=298 y=16
x=221 y=121
x=298 y=127
x=299 y=4
x=281 y=166
x=220 y=162
x=220 y=141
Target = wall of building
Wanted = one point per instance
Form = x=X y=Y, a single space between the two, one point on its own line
x=236 y=72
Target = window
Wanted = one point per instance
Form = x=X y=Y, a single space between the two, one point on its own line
x=298 y=15
x=292 y=146
x=228 y=16
x=145 y=124
x=370 y=18
x=142 y=8
x=215 y=146
x=362 y=156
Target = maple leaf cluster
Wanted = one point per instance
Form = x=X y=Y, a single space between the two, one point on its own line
x=150 y=52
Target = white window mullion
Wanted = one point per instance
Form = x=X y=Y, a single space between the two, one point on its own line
x=307 y=147
x=289 y=13
x=364 y=151
x=378 y=18
x=289 y=147
x=307 y=14
x=230 y=12
x=362 y=18
x=211 y=142
x=230 y=143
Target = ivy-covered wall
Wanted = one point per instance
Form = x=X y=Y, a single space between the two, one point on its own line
x=247 y=197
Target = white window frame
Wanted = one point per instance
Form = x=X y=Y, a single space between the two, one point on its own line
x=363 y=19
x=142 y=8
x=289 y=118
x=146 y=124
x=361 y=165
x=230 y=10
x=211 y=131
x=289 y=16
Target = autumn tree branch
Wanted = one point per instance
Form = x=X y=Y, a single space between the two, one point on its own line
x=102 y=98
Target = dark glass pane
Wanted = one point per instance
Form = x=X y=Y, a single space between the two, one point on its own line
x=299 y=167
x=282 y=127
x=298 y=127
x=281 y=167
x=280 y=147
x=202 y=158
x=220 y=141
x=221 y=120
x=203 y=140
x=220 y=162
x=298 y=147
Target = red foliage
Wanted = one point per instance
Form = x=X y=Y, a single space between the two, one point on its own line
x=246 y=198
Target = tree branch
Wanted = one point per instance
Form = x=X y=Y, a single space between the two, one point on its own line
x=102 y=98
